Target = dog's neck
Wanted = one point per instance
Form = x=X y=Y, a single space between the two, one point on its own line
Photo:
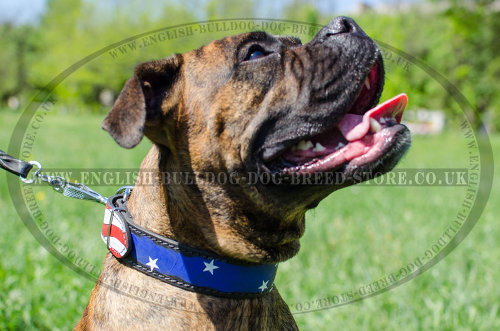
x=154 y=206
x=181 y=211
x=159 y=208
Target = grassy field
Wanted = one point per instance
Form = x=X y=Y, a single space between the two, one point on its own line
x=355 y=236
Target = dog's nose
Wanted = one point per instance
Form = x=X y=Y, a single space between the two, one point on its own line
x=342 y=24
x=338 y=26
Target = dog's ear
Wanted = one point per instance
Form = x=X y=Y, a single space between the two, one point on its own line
x=140 y=100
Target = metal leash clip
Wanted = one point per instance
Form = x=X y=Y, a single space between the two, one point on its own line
x=68 y=189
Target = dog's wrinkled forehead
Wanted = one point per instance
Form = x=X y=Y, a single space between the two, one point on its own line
x=245 y=40
x=219 y=64
x=235 y=48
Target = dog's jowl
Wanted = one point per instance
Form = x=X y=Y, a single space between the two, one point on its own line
x=279 y=126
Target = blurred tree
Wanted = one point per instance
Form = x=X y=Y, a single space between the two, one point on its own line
x=73 y=29
x=60 y=42
x=230 y=9
x=303 y=11
x=16 y=44
x=458 y=38
x=475 y=64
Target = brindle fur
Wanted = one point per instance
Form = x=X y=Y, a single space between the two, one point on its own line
x=210 y=111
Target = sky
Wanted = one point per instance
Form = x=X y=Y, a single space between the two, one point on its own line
x=21 y=11
x=28 y=11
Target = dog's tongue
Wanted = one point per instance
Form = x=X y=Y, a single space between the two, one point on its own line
x=351 y=138
x=355 y=127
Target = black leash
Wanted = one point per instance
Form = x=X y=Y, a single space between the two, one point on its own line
x=59 y=184
x=14 y=166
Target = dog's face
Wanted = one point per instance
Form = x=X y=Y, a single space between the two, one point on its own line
x=263 y=104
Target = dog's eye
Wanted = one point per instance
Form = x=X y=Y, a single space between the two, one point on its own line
x=255 y=52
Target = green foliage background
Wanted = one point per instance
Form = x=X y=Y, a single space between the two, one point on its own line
x=458 y=39
x=349 y=240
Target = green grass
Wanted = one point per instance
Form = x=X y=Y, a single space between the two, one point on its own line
x=355 y=236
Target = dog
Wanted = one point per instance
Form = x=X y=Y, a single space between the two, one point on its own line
x=253 y=103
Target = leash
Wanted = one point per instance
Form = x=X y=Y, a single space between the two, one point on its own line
x=159 y=257
x=59 y=184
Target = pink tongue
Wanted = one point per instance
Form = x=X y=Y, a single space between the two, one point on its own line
x=355 y=127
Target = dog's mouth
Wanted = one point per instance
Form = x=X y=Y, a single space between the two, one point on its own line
x=361 y=136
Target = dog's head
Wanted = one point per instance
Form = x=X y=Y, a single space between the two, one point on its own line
x=262 y=106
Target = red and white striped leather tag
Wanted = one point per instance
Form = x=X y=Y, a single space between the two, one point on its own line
x=115 y=233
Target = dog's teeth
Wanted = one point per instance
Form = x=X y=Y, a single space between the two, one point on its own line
x=318 y=148
x=339 y=146
x=304 y=145
x=367 y=83
x=374 y=125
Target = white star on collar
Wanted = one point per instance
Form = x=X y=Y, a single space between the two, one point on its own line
x=210 y=267
x=263 y=287
x=152 y=264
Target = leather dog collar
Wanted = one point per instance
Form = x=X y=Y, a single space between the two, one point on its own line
x=178 y=264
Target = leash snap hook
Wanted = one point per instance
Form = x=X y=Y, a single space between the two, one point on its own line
x=126 y=190
x=57 y=183
x=80 y=191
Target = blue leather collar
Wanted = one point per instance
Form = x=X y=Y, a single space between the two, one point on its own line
x=178 y=264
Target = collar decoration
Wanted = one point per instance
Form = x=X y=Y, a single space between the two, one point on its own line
x=178 y=264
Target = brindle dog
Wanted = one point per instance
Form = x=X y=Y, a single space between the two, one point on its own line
x=251 y=103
